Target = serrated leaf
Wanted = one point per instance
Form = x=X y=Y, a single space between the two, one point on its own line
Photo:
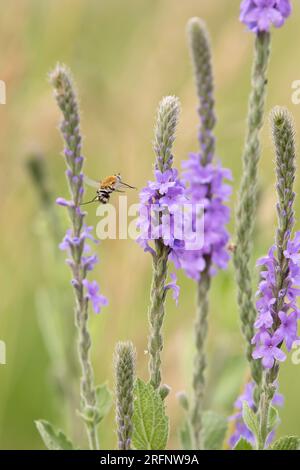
x=54 y=439
x=242 y=444
x=250 y=419
x=151 y=425
x=287 y=443
x=185 y=436
x=104 y=400
x=273 y=418
x=214 y=430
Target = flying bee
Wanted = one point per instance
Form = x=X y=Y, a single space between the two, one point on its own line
x=106 y=187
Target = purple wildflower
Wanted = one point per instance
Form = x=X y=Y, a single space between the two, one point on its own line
x=89 y=262
x=260 y=15
x=162 y=216
x=92 y=293
x=63 y=202
x=240 y=428
x=275 y=327
x=174 y=287
x=206 y=187
x=161 y=211
x=269 y=352
x=288 y=328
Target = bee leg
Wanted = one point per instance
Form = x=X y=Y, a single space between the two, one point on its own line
x=89 y=202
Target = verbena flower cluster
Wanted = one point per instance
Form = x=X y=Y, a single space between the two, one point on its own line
x=240 y=428
x=205 y=186
x=260 y=15
x=275 y=328
x=160 y=216
x=162 y=201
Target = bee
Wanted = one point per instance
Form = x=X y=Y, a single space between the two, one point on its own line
x=106 y=187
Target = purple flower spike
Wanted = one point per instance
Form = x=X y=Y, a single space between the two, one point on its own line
x=76 y=246
x=205 y=186
x=162 y=202
x=260 y=15
x=276 y=327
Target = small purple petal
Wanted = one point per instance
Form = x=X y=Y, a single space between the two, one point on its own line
x=64 y=202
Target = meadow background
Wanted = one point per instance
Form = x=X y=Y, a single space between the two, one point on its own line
x=125 y=55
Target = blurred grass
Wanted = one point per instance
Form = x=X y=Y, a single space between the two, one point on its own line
x=125 y=57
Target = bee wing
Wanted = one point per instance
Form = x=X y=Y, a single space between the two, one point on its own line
x=90 y=182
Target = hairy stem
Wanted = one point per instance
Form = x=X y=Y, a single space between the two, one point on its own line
x=201 y=328
x=247 y=200
x=157 y=311
x=200 y=51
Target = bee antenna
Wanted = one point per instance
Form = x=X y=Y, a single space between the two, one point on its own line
x=127 y=185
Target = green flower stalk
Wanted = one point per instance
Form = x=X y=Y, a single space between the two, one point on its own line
x=164 y=131
x=282 y=264
x=124 y=360
x=164 y=135
x=247 y=199
x=75 y=244
x=200 y=52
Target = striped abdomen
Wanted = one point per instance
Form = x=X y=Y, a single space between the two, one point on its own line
x=104 y=194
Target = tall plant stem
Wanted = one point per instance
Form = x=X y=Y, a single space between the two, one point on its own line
x=70 y=127
x=157 y=311
x=201 y=328
x=247 y=200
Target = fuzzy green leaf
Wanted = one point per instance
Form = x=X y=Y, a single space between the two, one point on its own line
x=250 y=419
x=242 y=444
x=287 y=443
x=53 y=438
x=151 y=425
x=273 y=418
x=214 y=430
x=104 y=400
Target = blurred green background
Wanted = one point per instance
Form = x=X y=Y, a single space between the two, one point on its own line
x=125 y=55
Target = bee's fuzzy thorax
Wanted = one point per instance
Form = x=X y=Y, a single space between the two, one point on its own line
x=109 y=181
